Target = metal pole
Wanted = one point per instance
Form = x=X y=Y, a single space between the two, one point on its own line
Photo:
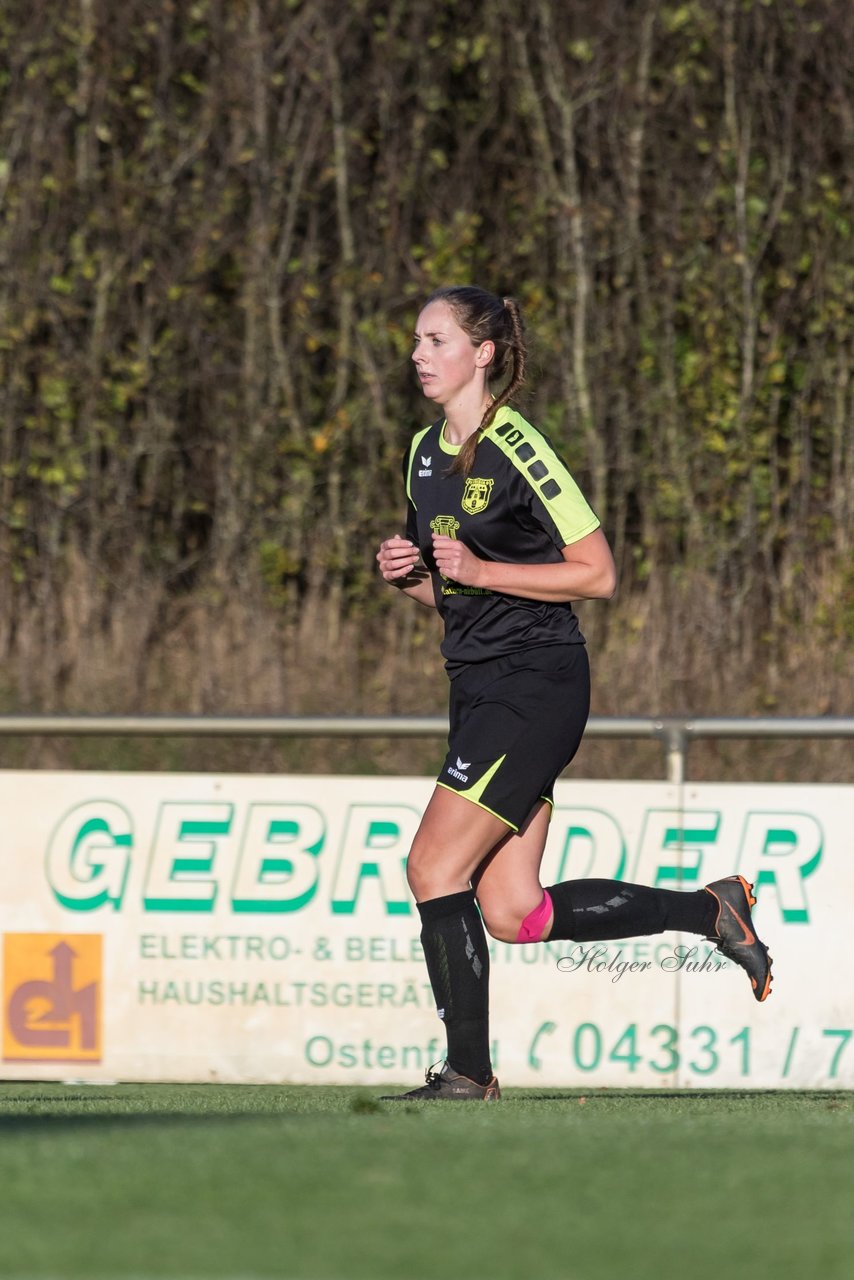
x=673 y=733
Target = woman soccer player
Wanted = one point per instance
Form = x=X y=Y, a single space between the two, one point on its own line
x=500 y=540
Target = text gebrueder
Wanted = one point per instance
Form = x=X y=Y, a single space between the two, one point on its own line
x=245 y=857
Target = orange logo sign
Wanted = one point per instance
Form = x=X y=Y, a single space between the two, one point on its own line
x=52 y=997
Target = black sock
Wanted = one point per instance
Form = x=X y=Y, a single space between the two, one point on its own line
x=458 y=964
x=595 y=910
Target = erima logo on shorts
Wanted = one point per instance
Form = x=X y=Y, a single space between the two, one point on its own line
x=426 y=466
x=458 y=772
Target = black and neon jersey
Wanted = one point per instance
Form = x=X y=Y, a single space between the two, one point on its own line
x=520 y=505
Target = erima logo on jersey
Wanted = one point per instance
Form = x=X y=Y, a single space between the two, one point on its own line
x=426 y=465
x=459 y=773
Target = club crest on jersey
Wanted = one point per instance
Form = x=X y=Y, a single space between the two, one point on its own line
x=445 y=526
x=476 y=495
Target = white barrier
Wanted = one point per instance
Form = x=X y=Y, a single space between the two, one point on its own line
x=240 y=928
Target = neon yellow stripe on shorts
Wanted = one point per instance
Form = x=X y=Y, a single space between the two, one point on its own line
x=475 y=792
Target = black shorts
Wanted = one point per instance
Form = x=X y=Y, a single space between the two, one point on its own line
x=516 y=722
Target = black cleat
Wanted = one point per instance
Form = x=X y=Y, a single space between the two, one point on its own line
x=448 y=1085
x=734 y=933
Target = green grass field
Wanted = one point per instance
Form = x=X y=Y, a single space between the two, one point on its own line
x=330 y=1184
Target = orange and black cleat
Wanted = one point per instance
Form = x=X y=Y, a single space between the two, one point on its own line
x=735 y=935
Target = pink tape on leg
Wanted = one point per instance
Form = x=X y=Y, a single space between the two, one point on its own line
x=532 y=927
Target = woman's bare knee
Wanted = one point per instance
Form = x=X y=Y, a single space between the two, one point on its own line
x=502 y=932
x=452 y=840
x=432 y=876
x=501 y=923
x=417 y=869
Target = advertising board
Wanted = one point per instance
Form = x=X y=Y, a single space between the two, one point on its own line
x=260 y=928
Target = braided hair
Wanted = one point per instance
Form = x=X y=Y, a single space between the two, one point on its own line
x=485 y=317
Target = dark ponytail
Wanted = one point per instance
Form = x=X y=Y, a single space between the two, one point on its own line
x=487 y=318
